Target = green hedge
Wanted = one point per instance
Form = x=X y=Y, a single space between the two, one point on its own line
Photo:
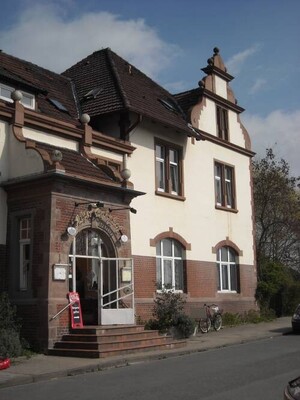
x=249 y=317
x=11 y=344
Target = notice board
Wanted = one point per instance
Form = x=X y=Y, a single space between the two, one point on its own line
x=75 y=309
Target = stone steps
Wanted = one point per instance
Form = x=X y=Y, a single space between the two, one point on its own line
x=107 y=341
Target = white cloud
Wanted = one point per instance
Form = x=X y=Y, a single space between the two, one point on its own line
x=258 y=84
x=280 y=130
x=42 y=35
x=235 y=63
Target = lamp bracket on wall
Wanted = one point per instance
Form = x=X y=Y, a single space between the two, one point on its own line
x=131 y=209
x=91 y=205
x=99 y=204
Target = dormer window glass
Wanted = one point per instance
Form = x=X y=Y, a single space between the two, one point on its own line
x=222 y=123
x=5 y=93
x=28 y=99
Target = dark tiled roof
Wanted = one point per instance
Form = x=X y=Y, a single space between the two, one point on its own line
x=44 y=84
x=95 y=72
x=124 y=87
x=188 y=99
x=76 y=165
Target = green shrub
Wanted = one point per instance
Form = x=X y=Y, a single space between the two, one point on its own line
x=169 y=315
x=278 y=288
x=291 y=298
x=10 y=342
x=248 y=317
x=184 y=325
x=230 y=319
x=167 y=307
x=8 y=314
x=267 y=314
x=152 y=324
x=252 y=317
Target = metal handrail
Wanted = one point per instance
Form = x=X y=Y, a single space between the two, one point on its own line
x=118 y=297
x=63 y=309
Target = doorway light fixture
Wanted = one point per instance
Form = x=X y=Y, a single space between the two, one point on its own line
x=123 y=237
x=71 y=230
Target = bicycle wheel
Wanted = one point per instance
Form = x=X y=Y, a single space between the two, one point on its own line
x=204 y=325
x=217 y=322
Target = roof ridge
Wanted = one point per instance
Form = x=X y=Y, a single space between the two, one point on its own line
x=140 y=72
x=117 y=77
x=187 y=92
x=112 y=53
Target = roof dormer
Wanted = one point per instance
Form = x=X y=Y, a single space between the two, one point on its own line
x=28 y=99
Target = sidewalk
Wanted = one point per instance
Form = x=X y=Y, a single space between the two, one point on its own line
x=41 y=367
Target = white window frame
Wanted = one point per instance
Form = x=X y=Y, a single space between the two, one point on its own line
x=229 y=186
x=174 y=168
x=161 y=167
x=223 y=197
x=2 y=96
x=166 y=170
x=227 y=264
x=30 y=96
x=172 y=258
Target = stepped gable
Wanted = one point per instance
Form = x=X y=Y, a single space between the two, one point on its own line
x=122 y=87
x=77 y=165
x=41 y=82
x=215 y=66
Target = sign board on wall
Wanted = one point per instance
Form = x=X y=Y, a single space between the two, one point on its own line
x=60 y=272
x=75 y=309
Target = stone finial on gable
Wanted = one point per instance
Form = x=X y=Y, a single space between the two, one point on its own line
x=215 y=65
x=217 y=60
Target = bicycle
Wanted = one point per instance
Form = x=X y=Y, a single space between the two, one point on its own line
x=213 y=318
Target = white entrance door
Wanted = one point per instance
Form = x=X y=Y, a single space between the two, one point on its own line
x=116 y=293
x=105 y=284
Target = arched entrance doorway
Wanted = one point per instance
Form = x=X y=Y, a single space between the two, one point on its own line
x=103 y=281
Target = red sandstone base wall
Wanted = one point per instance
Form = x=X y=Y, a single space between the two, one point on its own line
x=200 y=285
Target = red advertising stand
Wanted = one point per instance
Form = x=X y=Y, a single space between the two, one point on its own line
x=75 y=309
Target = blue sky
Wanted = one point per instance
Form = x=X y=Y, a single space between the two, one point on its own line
x=171 y=40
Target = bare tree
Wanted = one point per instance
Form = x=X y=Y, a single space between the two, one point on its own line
x=277 y=212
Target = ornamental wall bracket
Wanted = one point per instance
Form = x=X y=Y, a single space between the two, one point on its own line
x=17 y=128
x=18 y=121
